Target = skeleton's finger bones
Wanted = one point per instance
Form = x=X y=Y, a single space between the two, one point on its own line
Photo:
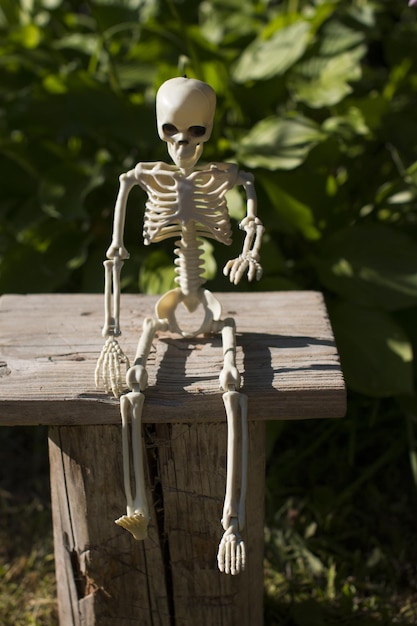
x=108 y=371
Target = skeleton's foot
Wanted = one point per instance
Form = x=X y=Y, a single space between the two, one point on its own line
x=231 y=557
x=136 y=524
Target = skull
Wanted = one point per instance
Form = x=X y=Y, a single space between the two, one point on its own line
x=185 y=110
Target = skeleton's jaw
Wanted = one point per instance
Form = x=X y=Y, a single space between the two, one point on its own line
x=185 y=155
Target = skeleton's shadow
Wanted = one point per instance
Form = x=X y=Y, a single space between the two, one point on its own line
x=257 y=359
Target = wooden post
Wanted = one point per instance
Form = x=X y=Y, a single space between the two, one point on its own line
x=48 y=348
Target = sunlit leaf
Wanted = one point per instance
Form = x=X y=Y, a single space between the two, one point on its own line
x=228 y=20
x=265 y=58
x=325 y=81
x=279 y=143
x=55 y=84
x=28 y=36
x=348 y=125
x=292 y=214
x=82 y=42
x=337 y=37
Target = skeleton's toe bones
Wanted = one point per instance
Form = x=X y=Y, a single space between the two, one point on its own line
x=231 y=556
x=136 y=524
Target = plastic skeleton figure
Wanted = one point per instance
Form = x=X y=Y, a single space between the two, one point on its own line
x=189 y=203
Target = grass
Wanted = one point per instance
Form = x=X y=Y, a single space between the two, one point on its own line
x=341 y=545
x=340 y=539
x=27 y=573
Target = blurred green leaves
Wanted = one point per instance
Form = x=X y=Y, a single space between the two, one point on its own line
x=324 y=81
x=377 y=356
x=372 y=265
x=279 y=143
x=268 y=57
x=318 y=98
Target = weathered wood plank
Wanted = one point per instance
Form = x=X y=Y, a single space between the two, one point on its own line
x=49 y=346
x=193 y=475
x=105 y=577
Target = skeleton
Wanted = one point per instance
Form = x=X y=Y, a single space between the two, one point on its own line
x=188 y=203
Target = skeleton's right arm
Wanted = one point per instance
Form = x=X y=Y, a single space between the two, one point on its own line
x=115 y=255
x=117 y=249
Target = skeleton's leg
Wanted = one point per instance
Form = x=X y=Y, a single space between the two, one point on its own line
x=232 y=554
x=137 y=518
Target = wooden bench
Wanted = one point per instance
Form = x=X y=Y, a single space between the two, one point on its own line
x=49 y=345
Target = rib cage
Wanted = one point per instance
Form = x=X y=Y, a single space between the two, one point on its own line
x=174 y=200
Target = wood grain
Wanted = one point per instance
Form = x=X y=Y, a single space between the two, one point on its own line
x=105 y=577
x=49 y=345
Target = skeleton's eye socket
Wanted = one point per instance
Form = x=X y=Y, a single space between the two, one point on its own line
x=169 y=129
x=197 y=131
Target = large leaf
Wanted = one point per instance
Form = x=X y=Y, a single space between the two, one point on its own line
x=293 y=214
x=337 y=37
x=226 y=19
x=325 y=81
x=265 y=58
x=279 y=143
x=375 y=353
x=373 y=265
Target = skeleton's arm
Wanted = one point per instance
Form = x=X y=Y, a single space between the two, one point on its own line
x=108 y=374
x=248 y=260
x=115 y=255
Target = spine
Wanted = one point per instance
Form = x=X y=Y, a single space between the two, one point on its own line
x=189 y=262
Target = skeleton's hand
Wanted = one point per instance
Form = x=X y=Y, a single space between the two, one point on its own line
x=249 y=259
x=231 y=557
x=235 y=268
x=108 y=373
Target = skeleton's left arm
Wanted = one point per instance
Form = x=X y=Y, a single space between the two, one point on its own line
x=248 y=260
